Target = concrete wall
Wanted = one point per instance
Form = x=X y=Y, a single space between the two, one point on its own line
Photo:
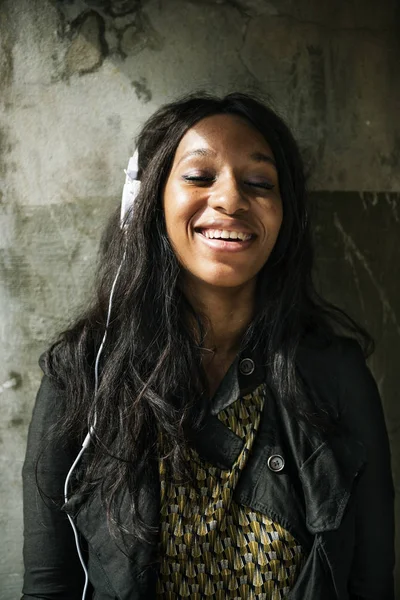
x=77 y=80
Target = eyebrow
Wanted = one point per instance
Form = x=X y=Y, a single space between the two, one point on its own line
x=197 y=152
x=256 y=156
x=261 y=157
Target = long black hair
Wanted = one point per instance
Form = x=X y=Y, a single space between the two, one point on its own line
x=152 y=381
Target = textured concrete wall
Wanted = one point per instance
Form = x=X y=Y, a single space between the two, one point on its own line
x=76 y=81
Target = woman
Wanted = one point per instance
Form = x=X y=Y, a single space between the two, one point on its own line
x=237 y=446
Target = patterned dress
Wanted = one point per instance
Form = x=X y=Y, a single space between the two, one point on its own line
x=211 y=547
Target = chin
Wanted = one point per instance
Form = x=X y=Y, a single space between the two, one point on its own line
x=233 y=280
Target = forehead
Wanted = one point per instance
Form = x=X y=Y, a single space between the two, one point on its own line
x=222 y=134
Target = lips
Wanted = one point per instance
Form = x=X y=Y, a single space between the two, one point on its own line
x=224 y=228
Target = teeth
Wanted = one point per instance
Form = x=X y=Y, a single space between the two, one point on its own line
x=226 y=235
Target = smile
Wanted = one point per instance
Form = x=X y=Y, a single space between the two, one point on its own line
x=223 y=234
x=226 y=241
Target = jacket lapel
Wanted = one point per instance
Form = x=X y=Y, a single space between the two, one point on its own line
x=310 y=495
x=327 y=474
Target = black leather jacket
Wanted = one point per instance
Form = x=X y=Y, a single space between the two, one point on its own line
x=335 y=496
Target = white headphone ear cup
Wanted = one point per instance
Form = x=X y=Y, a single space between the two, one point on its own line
x=129 y=195
x=131 y=188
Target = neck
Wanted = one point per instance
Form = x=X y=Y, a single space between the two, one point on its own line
x=227 y=314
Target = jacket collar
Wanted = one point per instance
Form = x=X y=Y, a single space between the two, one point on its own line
x=215 y=442
x=238 y=381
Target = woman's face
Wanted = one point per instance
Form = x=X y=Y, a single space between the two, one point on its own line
x=222 y=204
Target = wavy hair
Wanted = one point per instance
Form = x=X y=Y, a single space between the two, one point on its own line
x=152 y=380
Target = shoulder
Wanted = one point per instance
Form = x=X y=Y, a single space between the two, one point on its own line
x=50 y=398
x=335 y=357
x=330 y=348
x=337 y=371
x=329 y=356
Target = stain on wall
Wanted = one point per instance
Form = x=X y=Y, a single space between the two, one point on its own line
x=88 y=46
x=77 y=79
x=6 y=59
x=142 y=90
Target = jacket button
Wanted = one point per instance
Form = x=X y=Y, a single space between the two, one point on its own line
x=246 y=366
x=276 y=463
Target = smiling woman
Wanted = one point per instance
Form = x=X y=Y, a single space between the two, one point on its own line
x=223 y=213
x=234 y=444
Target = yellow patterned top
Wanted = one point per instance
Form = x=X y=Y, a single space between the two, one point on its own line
x=213 y=547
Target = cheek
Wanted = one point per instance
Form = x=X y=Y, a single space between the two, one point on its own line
x=171 y=203
x=272 y=219
x=177 y=218
x=180 y=207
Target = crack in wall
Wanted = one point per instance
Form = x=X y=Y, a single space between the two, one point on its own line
x=115 y=8
x=256 y=85
x=257 y=8
x=381 y=32
x=392 y=199
x=353 y=250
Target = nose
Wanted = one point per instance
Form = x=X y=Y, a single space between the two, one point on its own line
x=228 y=196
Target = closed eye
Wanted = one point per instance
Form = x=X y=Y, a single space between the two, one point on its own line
x=203 y=179
x=265 y=185
x=198 y=178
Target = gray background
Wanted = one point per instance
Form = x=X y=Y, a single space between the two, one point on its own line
x=75 y=85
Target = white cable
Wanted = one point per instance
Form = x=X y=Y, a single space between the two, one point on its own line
x=96 y=366
x=129 y=194
x=78 y=548
x=88 y=437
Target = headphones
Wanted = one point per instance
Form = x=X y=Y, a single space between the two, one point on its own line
x=131 y=187
x=129 y=194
